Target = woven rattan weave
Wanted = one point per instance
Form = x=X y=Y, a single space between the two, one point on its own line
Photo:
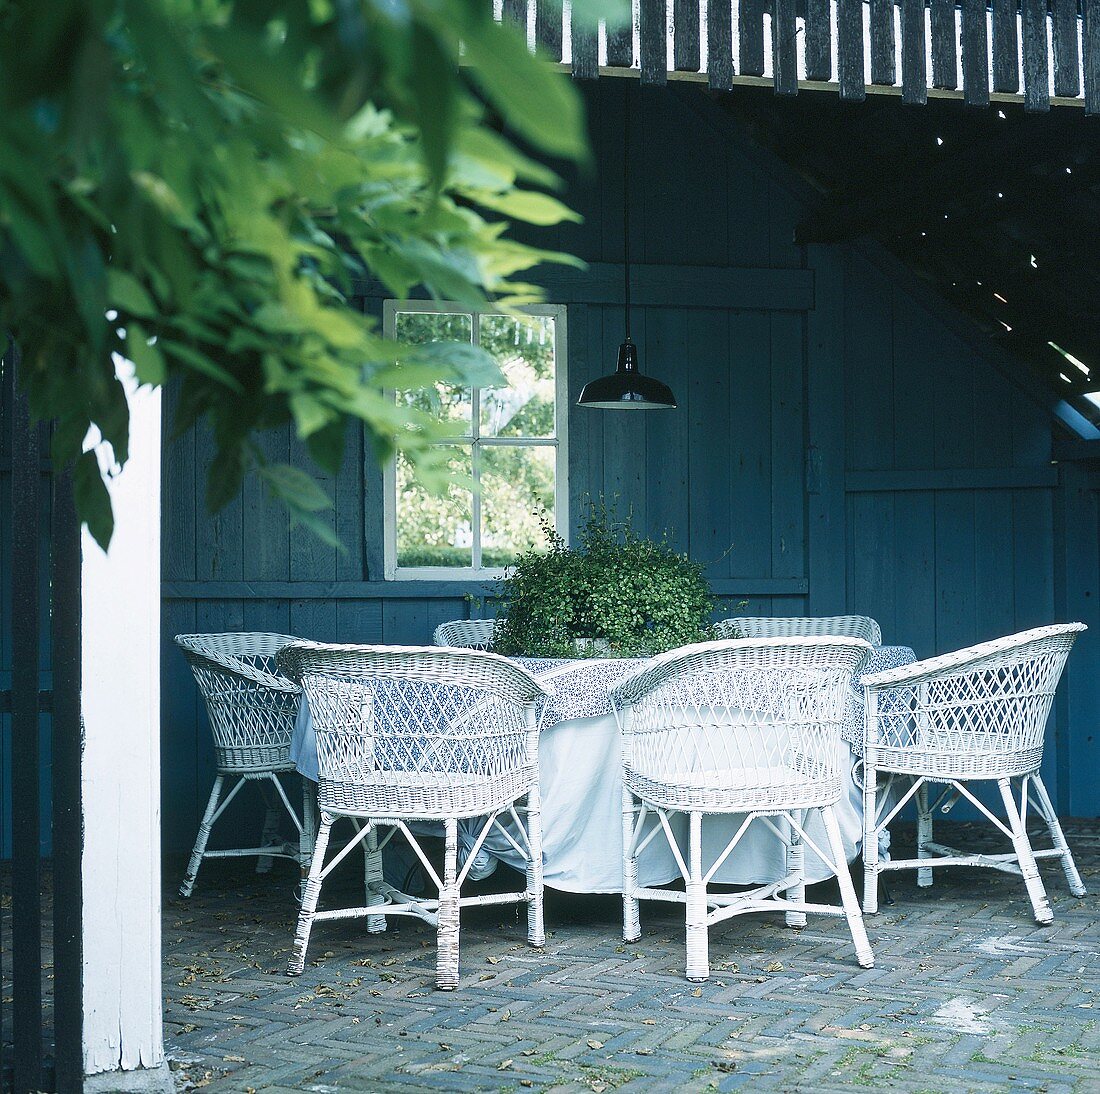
x=251 y=709
x=747 y=726
x=977 y=714
x=790 y=626
x=470 y=634
x=412 y=734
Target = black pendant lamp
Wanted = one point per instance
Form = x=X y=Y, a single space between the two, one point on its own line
x=626 y=388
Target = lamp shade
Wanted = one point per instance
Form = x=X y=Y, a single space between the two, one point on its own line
x=626 y=388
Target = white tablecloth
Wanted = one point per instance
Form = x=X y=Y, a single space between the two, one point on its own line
x=580 y=777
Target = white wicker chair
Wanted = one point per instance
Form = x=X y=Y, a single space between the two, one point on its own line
x=760 y=626
x=737 y=726
x=252 y=710
x=470 y=634
x=411 y=733
x=976 y=714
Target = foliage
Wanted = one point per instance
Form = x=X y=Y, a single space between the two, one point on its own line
x=197 y=185
x=632 y=596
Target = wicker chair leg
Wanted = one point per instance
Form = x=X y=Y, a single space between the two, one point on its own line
x=1069 y=867
x=308 y=834
x=446 y=957
x=864 y=954
x=632 y=926
x=698 y=957
x=536 y=928
x=372 y=881
x=870 y=839
x=309 y=899
x=1025 y=857
x=924 y=835
x=796 y=864
x=200 y=840
x=269 y=834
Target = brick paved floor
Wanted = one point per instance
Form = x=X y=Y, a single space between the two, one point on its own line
x=967 y=994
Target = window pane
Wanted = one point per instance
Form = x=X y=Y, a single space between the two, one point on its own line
x=435 y=530
x=524 y=349
x=445 y=402
x=517 y=487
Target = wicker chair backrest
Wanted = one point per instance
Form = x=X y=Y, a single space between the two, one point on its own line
x=417 y=731
x=739 y=723
x=252 y=708
x=472 y=634
x=760 y=626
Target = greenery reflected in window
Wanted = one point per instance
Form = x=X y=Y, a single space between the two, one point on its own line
x=505 y=451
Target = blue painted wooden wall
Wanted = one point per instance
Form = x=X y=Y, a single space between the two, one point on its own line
x=842 y=444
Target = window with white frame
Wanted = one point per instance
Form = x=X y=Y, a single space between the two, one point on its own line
x=510 y=441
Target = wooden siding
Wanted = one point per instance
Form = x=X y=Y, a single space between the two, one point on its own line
x=842 y=451
x=1030 y=47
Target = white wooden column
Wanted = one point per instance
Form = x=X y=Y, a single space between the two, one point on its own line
x=120 y=705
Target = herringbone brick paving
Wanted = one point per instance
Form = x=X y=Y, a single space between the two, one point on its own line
x=967 y=994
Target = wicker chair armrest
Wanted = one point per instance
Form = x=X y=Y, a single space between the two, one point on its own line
x=666 y=666
x=237 y=666
x=952 y=664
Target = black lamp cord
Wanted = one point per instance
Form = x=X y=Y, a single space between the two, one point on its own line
x=626 y=203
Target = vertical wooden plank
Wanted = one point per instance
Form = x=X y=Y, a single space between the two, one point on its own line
x=652 y=36
x=264 y=519
x=620 y=44
x=745 y=529
x=586 y=57
x=67 y=813
x=944 y=47
x=359 y=621
x=667 y=439
x=685 y=27
x=819 y=61
x=26 y=876
x=882 y=42
x=720 y=46
x=1091 y=55
x=826 y=509
x=1006 y=46
x=750 y=30
x=1036 y=76
x=873 y=559
x=1067 y=58
x=182 y=504
x=349 y=500
x=914 y=73
x=784 y=44
x=584 y=362
x=624 y=444
x=311 y=559
x=850 y=50
x=975 y=53
x=788 y=446
x=548 y=27
x=219 y=546
x=710 y=470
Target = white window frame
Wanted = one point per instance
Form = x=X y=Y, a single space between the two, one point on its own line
x=559 y=442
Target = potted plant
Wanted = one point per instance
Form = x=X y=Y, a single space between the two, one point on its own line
x=614 y=594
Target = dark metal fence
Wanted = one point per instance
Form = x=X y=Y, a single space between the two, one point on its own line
x=40 y=1049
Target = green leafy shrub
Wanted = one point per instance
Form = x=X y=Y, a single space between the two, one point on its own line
x=627 y=595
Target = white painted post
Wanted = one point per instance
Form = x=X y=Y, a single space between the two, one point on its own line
x=120 y=705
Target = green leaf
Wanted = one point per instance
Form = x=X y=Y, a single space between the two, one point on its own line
x=533 y=96
x=310 y=414
x=295 y=487
x=528 y=205
x=201 y=363
x=434 y=87
x=127 y=294
x=93 y=502
x=148 y=360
